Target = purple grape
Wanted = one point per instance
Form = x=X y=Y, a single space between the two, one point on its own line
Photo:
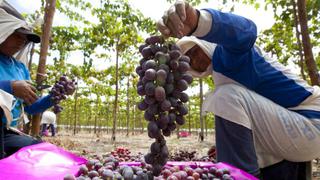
x=177 y=76
x=142 y=61
x=150 y=100
x=164 y=67
x=177 y=94
x=150 y=74
x=164 y=49
x=183 y=67
x=187 y=77
x=149 y=158
x=182 y=85
x=161 y=76
x=183 y=110
x=155 y=49
x=141 y=73
x=154 y=40
x=170 y=78
x=172 y=117
x=160 y=94
x=70 y=89
x=165 y=105
x=145 y=80
x=153 y=109
x=174 y=65
x=63 y=78
x=69 y=177
x=174 y=54
x=169 y=88
x=164 y=151
x=185 y=59
x=184 y=97
x=147 y=52
x=142 y=106
x=149 y=88
x=63 y=83
x=180 y=120
x=107 y=174
x=141 y=47
x=163 y=121
x=141 y=90
x=166 y=132
x=161 y=57
x=153 y=130
x=150 y=64
x=172 y=126
x=138 y=68
x=63 y=97
x=148 y=116
x=155 y=148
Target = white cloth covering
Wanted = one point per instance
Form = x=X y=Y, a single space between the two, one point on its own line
x=278 y=132
x=48 y=117
x=6 y=102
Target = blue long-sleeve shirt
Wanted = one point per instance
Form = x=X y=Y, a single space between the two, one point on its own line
x=10 y=70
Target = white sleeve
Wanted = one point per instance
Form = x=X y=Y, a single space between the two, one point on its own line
x=204 y=24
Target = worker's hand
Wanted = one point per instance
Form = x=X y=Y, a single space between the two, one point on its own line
x=180 y=20
x=25 y=91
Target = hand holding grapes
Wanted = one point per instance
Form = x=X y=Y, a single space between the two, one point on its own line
x=60 y=91
x=179 y=20
x=24 y=90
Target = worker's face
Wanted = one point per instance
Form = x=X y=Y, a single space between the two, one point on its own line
x=14 y=43
x=199 y=60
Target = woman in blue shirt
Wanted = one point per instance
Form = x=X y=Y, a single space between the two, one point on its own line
x=15 y=79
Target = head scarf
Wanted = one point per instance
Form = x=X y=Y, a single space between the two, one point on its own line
x=187 y=42
x=9 y=24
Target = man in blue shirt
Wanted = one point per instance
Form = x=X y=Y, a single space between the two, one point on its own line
x=267 y=118
x=15 y=77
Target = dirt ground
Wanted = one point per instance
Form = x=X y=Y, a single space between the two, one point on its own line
x=99 y=144
x=90 y=144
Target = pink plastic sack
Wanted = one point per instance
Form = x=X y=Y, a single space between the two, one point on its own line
x=184 y=134
x=40 y=161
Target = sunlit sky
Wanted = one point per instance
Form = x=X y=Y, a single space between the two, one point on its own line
x=155 y=8
x=150 y=8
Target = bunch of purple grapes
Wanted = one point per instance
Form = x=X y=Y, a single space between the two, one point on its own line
x=163 y=80
x=60 y=90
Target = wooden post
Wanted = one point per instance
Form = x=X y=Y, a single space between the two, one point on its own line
x=45 y=39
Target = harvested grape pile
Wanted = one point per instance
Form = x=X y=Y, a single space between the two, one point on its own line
x=183 y=155
x=123 y=154
x=109 y=168
x=163 y=78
